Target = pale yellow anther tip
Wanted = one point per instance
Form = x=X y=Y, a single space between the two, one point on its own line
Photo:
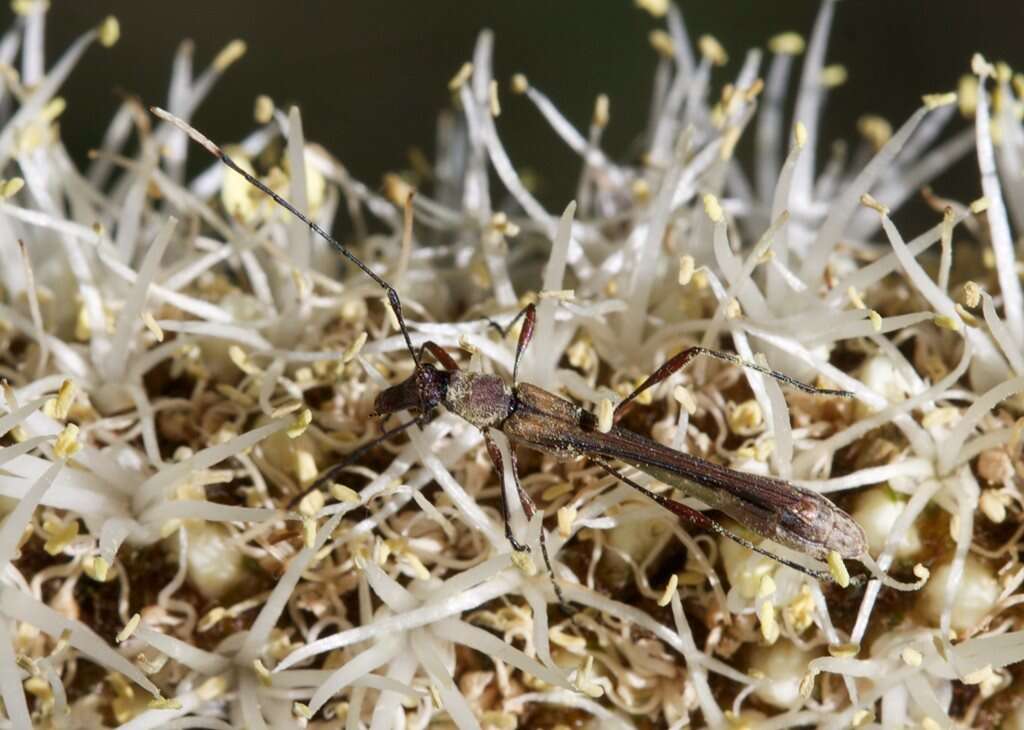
x=971 y=294
x=263 y=109
x=947 y=323
x=713 y=209
x=686 y=268
x=981 y=67
x=807 y=684
x=605 y=412
x=837 y=568
x=934 y=101
x=520 y=84
x=566 y=518
x=308 y=532
x=869 y=202
x=712 y=50
x=299 y=425
x=641 y=190
x=354 y=348
x=162 y=703
x=862 y=718
x=662 y=43
x=561 y=295
x=262 y=672
x=670 y=590
x=800 y=135
x=583 y=680
x=65 y=399
x=312 y=503
x=685 y=398
x=978 y=676
x=53 y=109
x=524 y=563
x=875 y=129
x=790 y=44
x=911 y=657
x=97 y=568
x=397 y=190
x=27 y=7
x=152 y=325
x=657 y=8
x=844 y=651
x=833 y=76
x=769 y=625
x=10 y=188
x=343 y=494
x=461 y=77
x=601 y=111
x=214 y=616
x=129 y=629
x=754 y=90
x=231 y=53
x=67 y=444
x=109 y=31
x=492 y=98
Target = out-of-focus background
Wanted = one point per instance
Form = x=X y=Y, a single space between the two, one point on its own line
x=370 y=77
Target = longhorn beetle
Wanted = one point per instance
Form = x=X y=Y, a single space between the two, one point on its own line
x=531 y=416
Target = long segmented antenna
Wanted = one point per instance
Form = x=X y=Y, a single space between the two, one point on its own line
x=216 y=151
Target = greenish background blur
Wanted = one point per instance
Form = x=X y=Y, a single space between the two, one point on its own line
x=371 y=76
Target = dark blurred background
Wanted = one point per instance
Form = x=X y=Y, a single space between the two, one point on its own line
x=371 y=76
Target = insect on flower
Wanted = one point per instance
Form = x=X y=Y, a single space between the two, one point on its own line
x=533 y=417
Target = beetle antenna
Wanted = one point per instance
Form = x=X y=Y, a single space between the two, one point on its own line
x=216 y=151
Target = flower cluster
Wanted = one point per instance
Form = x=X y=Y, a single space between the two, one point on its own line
x=181 y=359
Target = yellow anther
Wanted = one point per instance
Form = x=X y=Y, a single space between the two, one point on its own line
x=231 y=53
x=790 y=44
x=129 y=629
x=934 y=101
x=837 y=568
x=67 y=444
x=670 y=590
x=662 y=43
x=109 y=31
x=300 y=424
x=712 y=50
x=713 y=209
x=263 y=109
x=461 y=77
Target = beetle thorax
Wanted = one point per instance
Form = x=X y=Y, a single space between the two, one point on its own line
x=483 y=400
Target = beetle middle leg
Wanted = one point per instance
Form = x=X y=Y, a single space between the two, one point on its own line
x=529 y=508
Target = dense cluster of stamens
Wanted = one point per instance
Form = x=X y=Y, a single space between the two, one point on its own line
x=181 y=359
